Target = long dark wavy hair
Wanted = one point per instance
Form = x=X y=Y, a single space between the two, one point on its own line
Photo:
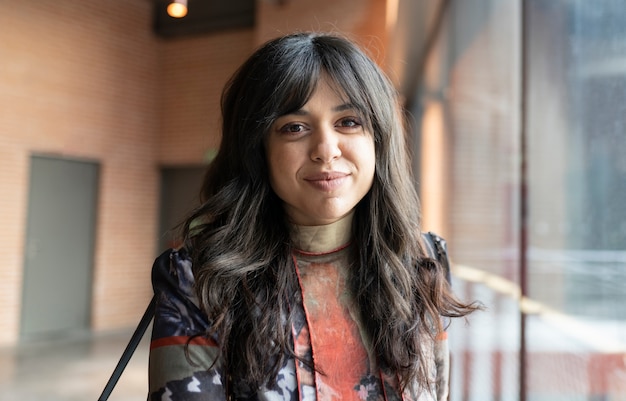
x=239 y=238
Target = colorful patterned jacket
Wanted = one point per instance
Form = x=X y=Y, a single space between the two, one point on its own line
x=186 y=366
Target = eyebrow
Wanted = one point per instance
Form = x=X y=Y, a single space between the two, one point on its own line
x=336 y=109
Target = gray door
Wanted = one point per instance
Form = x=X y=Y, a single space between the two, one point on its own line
x=58 y=260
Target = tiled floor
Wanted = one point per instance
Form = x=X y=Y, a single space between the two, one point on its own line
x=72 y=369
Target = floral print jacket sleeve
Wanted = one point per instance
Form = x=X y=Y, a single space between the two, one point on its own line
x=184 y=364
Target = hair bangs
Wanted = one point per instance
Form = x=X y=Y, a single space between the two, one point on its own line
x=296 y=89
x=359 y=80
x=295 y=70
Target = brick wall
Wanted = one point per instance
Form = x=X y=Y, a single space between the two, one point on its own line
x=194 y=71
x=484 y=144
x=89 y=79
x=78 y=80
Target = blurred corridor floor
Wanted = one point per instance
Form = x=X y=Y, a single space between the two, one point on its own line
x=72 y=369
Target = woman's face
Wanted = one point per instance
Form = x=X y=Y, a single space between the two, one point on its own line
x=321 y=158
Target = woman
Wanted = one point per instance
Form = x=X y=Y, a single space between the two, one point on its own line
x=303 y=274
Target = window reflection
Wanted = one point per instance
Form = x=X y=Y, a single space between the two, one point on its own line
x=575 y=124
x=577 y=81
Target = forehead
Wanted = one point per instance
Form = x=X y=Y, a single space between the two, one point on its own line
x=327 y=90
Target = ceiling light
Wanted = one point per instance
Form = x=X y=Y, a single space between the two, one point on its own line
x=177 y=8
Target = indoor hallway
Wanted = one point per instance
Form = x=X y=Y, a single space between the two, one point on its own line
x=72 y=369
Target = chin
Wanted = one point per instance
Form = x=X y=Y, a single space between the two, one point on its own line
x=329 y=219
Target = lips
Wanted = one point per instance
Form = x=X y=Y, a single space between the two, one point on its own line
x=325 y=176
x=326 y=181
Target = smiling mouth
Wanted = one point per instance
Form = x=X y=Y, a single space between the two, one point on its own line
x=327 y=182
x=326 y=176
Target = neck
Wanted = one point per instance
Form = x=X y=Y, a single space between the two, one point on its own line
x=323 y=238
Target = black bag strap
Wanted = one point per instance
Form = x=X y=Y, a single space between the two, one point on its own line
x=130 y=349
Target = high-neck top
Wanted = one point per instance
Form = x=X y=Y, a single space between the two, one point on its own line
x=331 y=334
x=324 y=238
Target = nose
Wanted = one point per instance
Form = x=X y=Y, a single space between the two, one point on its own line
x=325 y=145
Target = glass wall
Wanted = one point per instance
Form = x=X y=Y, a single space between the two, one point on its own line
x=543 y=247
x=576 y=119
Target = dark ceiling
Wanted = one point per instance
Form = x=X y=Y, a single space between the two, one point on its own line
x=204 y=16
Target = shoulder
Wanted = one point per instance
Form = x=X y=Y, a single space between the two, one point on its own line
x=437 y=248
x=172 y=270
x=177 y=308
x=435 y=244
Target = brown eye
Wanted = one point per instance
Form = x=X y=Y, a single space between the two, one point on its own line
x=350 y=122
x=294 y=128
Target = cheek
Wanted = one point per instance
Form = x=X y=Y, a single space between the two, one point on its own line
x=280 y=169
x=367 y=154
